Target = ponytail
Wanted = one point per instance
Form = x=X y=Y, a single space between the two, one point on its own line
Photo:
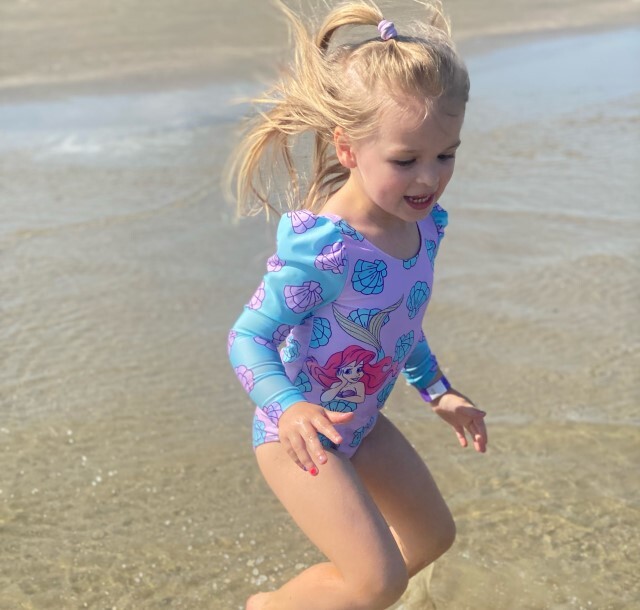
x=325 y=88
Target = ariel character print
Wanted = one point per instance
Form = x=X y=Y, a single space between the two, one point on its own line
x=348 y=376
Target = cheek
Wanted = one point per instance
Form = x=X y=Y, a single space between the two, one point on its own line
x=446 y=175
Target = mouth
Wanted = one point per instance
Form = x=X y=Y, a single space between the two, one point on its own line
x=421 y=202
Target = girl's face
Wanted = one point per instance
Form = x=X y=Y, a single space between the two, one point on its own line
x=403 y=169
x=351 y=372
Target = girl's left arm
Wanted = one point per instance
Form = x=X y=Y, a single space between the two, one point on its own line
x=422 y=371
x=460 y=413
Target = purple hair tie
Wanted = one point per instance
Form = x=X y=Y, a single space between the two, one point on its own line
x=387 y=30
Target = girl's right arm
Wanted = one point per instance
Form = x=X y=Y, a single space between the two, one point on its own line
x=298 y=429
x=307 y=272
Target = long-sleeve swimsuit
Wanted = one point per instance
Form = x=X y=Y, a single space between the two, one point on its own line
x=334 y=322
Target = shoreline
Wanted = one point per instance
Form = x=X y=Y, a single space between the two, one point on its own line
x=139 y=80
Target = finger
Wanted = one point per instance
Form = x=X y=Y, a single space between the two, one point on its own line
x=328 y=430
x=338 y=418
x=482 y=431
x=479 y=439
x=299 y=447
x=292 y=454
x=313 y=444
x=460 y=434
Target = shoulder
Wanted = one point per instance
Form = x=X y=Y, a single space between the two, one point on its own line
x=439 y=216
x=311 y=242
x=433 y=226
x=303 y=231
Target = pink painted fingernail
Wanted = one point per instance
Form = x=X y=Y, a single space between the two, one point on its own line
x=314 y=471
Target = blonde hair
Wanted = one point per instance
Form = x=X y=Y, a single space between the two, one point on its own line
x=345 y=86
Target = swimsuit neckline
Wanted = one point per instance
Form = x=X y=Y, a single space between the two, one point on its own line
x=337 y=218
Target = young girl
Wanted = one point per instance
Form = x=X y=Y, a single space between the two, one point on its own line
x=346 y=293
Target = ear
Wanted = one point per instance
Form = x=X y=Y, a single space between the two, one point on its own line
x=344 y=148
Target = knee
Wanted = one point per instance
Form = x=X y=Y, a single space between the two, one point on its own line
x=383 y=589
x=446 y=537
x=439 y=542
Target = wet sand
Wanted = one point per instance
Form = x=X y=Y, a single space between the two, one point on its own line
x=126 y=475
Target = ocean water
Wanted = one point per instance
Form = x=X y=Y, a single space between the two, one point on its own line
x=126 y=475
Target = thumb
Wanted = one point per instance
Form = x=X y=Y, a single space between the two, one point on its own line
x=337 y=418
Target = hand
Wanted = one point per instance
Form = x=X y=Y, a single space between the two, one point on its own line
x=459 y=412
x=298 y=428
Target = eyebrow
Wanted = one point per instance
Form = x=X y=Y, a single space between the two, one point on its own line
x=412 y=151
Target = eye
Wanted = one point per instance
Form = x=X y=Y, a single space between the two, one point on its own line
x=446 y=157
x=404 y=162
x=346 y=371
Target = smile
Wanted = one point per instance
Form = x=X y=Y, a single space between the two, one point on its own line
x=420 y=203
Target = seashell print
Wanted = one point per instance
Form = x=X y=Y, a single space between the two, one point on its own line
x=230 y=340
x=321 y=332
x=291 y=351
x=432 y=249
x=407 y=263
x=273 y=411
x=403 y=346
x=358 y=435
x=245 y=376
x=267 y=344
x=341 y=406
x=418 y=296
x=326 y=443
x=301 y=221
x=257 y=298
x=384 y=393
x=440 y=219
x=259 y=432
x=346 y=229
x=275 y=263
x=368 y=277
x=362 y=316
x=304 y=297
x=331 y=258
x=280 y=334
x=302 y=382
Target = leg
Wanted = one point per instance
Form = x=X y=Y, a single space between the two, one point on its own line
x=404 y=490
x=365 y=569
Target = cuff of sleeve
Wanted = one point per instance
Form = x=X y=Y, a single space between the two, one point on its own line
x=291 y=399
x=435 y=390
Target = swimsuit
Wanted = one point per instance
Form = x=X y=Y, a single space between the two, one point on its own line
x=334 y=322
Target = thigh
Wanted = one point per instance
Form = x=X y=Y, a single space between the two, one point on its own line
x=407 y=495
x=335 y=511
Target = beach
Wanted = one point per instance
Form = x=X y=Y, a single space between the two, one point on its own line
x=127 y=479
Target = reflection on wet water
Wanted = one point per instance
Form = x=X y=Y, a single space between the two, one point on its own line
x=127 y=479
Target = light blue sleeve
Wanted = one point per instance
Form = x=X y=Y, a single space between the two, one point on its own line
x=307 y=272
x=421 y=367
x=440 y=218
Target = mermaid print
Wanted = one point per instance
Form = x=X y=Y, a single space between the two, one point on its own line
x=348 y=376
x=370 y=332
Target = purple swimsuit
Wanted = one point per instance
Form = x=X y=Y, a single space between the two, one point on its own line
x=334 y=322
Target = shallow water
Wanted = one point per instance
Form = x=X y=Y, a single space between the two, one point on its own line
x=127 y=479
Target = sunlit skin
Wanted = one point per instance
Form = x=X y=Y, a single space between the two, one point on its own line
x=398 y=173
x=401 y=522
x=396 y=177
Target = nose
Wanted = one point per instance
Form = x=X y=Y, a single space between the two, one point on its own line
x=429 y=175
